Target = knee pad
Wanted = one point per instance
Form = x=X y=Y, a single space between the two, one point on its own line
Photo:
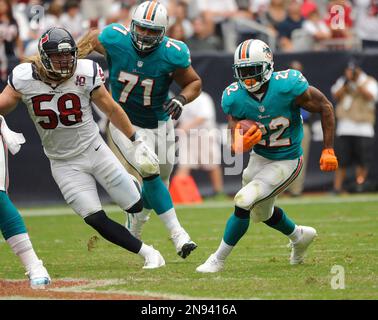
x=138 y=207
x=248 y=195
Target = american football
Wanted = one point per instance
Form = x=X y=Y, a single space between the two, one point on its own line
x=246 y=124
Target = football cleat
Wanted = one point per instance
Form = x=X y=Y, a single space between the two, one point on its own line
x=38 y=276
x=184 y=245
x=134 y=224
x=298 y=248
x=154 y=260
x=212 y=264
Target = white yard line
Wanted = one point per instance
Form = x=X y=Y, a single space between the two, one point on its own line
x=65 y=210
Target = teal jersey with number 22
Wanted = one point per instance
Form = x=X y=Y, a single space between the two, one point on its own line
x=276 y=113
x=140 y=84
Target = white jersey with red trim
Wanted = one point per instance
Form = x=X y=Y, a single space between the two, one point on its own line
x=63 y=114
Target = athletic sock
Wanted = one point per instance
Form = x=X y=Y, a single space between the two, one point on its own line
x=170 y=220
x=237 y=225
x=23 y=248
x=281 y=222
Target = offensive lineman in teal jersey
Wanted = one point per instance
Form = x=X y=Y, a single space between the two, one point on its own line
x=143 y=62
x=272 y=100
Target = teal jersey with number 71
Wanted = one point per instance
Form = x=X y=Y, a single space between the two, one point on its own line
x=140 y=84
x=276 y=113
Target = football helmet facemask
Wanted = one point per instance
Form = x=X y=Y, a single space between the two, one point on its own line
x=58 y=53
x=253 y=64
x=148 y=25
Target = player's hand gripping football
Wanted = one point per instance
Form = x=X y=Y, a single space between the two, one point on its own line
x=174 y=106
x=328 y=160
x=243 y=143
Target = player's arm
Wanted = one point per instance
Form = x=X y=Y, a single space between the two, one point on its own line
x=101 y=97
x=315 y=101
x=191 y=86
x=90 y=43
x=9 y=99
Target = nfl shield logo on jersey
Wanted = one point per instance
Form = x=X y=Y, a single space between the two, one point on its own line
x=261 y=109
x=140 y=64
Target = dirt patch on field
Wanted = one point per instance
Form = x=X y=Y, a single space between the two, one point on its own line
x=60 y=289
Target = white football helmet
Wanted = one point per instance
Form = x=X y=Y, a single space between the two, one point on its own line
x=253 y=64
x=150 y=15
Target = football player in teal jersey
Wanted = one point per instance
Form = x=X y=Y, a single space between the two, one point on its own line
x=143 y=62
x=272 y=100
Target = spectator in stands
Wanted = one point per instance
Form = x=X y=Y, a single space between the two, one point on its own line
x=216 y=15
x=181 y=17
x=38 y=27
x=293 y=21
x=355 y=94
x=95 y=9
x=274 y=15
x=72 y=19
x=177 y=31
x=339 y=20
x=199 y=145
x=11 y=46
x=201 y=40
x=315 y=26
x=367 y=22
x=296 y=188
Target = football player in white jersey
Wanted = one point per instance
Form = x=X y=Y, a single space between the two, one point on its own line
x=58 y=89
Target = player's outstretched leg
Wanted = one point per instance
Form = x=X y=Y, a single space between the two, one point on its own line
x=119 y=235
x=14 y=231
x=237 y=225
x=159 y=198
x=300 y=236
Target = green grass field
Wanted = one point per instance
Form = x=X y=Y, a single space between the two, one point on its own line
x=258 y=268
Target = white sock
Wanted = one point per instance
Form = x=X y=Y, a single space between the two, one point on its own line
x=223 y=250
x=170 y=220
x=145 y=250
x=23 y=248
x=296 y=234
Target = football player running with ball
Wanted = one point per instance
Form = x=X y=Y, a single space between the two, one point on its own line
x=143 y=62
x=273 y=101
x=58 y=90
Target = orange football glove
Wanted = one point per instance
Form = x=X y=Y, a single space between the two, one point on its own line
x=243 y=143
x=328 y=160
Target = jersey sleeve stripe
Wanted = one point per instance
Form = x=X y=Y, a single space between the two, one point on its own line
x=94 y=72
x=10 y=81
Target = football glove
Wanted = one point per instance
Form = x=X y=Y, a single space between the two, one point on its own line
x=243 y=143
x=174 y=106
x=328 y=160
x=142 y=158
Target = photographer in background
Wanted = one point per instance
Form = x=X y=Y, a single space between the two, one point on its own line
x=355 y=94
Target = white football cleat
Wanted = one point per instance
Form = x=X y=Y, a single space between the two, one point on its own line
x=135 y=224
x=212 y=264
x=154 y=260
x=298 y=248
x=38 y=276
x=183 y=244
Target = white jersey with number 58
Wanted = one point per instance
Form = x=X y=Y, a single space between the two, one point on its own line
x=63 y=114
